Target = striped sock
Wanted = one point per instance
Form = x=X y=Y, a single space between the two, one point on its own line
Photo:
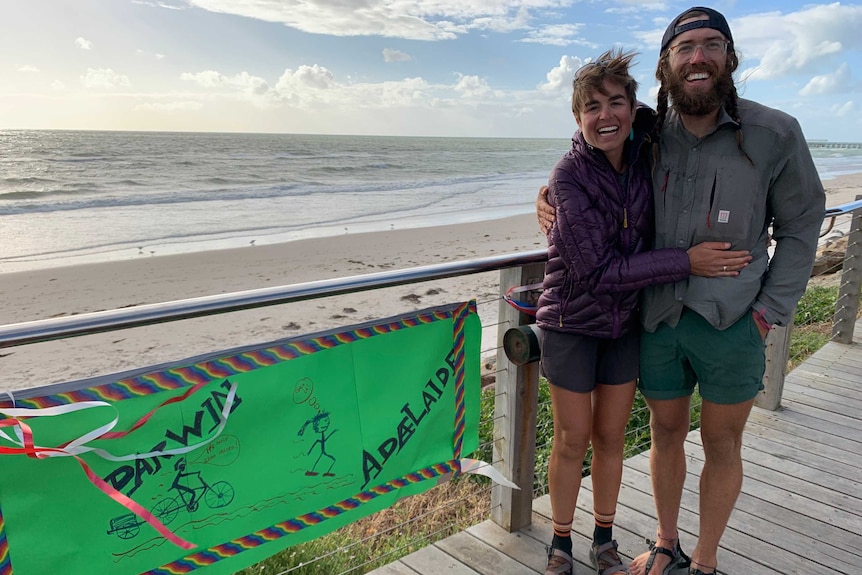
x=562 y=536
x=604 y=530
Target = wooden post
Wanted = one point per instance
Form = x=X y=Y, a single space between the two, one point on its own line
x=517 y=392
x=777 y=350
x=847 y=305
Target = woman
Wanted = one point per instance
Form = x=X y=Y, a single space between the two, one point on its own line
x=597 y=260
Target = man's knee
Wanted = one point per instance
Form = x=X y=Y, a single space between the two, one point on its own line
x=721 y=446
x=667 y=435
x=669 y=421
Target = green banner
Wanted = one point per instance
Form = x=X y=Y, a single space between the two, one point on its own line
x=235 y=455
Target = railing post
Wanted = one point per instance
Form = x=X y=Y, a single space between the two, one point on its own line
x=847 y=305
x=777 y=351
x=517 y=391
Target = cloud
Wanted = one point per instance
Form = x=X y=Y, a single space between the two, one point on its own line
x=242 y=82
x=845 y=110
x=158 y=4
x=395 y=56
x=560 y=78
x=472 y=86
x=58 y=86
x=27 y=69
x=170 y=106
x=786 y=44
x=637 y=7
x=156 y=55
x=104 y=78
x=306 y=77
x=557 y=35
x=315 y=87
x=413 y=19
x=256 y=90
x=837 y=82
x=83 y=43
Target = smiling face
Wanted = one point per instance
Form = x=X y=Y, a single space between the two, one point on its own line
x=696 y=71
x=605 y=119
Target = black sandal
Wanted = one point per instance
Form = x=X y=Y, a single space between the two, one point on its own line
x=679 y=561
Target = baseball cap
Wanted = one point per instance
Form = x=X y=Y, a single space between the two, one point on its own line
x=715 y=21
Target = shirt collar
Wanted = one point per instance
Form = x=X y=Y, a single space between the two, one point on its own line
x=673 y=122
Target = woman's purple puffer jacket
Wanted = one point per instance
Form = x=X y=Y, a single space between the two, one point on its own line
x=597 y=249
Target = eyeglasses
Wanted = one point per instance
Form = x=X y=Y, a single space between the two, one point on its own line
x=711 y=49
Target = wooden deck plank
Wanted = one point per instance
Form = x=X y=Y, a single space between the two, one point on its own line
x=799 y=512
x=397 y=568
x=432 y=560
x=752 y=535
x=798 y=469
x=482 y=557
x=840 y=396
x=829 y=380
x=811 y=442
x=795 y=416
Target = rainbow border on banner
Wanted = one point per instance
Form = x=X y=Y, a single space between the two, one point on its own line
x=5 y=561
x=460 y=318
x=185 y=376
x=248 y=361
x=279 y=530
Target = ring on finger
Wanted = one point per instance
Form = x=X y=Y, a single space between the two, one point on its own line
x=724 y=268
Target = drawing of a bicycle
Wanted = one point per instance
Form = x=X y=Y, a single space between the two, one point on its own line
x=190 y=488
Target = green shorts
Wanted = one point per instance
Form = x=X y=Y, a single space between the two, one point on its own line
x=727 y=365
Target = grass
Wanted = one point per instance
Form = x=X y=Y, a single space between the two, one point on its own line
x=447 y=509
x=812 y=323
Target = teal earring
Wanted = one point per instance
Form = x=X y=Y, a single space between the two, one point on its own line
x=632 y=134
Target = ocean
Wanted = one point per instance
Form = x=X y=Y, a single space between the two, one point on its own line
x=69 y=197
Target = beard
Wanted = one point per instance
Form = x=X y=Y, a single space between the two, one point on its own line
x=700 y=103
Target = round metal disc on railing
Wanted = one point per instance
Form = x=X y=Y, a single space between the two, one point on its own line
x=522 y=344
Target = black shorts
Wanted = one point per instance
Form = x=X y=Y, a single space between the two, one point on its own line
x=580 y=362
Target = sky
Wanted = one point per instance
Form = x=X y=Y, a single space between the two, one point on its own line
x=452 y=68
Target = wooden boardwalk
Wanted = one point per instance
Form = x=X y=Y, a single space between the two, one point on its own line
x=800 y=510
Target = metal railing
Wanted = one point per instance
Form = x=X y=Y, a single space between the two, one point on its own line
x=150 y=314
x=516 y=392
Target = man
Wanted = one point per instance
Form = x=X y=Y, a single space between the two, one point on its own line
x=726 y=169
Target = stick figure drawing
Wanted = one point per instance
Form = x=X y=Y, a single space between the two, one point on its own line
x=320 y=423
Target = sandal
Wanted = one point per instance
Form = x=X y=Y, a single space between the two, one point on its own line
x=679 y=561
x=606 y=560
x=559 y=562
x=697 y=571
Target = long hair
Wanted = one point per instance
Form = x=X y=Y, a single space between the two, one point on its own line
x=731 y=102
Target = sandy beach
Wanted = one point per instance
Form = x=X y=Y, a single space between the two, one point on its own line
x=88 y=288
x=64 y=291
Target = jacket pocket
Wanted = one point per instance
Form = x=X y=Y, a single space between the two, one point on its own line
x=729 y=203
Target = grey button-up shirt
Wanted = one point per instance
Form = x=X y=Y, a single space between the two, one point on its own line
x=707 y=190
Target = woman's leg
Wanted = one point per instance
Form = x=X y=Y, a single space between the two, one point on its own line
x=611 y=406
x=572 y=424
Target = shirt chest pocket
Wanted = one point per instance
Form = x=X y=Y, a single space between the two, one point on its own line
x=727 y=201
